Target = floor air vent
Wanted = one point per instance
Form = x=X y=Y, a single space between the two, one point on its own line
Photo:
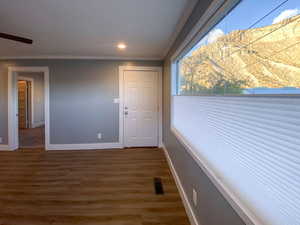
x=158 y=186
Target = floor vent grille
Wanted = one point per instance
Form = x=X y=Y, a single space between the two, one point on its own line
x=158 y=186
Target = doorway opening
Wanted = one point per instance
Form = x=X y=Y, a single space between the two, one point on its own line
x=28 y=107
x=31 y=115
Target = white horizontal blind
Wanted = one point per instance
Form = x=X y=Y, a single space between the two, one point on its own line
x=253 y=144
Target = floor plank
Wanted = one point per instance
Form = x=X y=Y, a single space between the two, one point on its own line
x=104 y=187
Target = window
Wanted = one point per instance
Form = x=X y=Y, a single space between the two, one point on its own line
x=248 y=146
x=254 y=49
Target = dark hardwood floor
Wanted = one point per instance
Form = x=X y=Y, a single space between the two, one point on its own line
x=104 y=187
x=32 y=137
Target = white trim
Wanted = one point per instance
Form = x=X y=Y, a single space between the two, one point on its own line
x=160 y=109
x=13 y=141
x=245 y=213
x=4 y=148
x=25 y=78
x=121 y=99
x=11 y=118
x=84 y=146
x=38 y=124
x=32 y=97
x=121 y=105
x=187 y=205
x=7 y=148
x=82 y=57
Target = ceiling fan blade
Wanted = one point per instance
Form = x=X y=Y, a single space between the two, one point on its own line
x=16 y=38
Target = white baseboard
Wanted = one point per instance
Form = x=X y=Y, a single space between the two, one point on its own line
x=188 y=207
x=83 y=146
x=6 y=148
x=38 y=124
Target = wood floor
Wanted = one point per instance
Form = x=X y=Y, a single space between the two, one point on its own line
x=104 y=187
x=32 y=137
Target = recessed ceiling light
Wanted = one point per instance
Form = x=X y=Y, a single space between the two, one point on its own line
x=122 y=46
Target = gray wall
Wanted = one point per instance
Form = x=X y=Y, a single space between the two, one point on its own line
x=212 y=208
x=38 y=96
x=81 y=98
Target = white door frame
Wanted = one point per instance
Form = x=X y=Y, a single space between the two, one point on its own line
x=13 y=131
x=122 y=69
x=32 y=98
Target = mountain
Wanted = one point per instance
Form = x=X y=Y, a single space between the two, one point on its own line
x=261 y=57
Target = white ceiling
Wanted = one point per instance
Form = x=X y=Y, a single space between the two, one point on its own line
x=91 y=28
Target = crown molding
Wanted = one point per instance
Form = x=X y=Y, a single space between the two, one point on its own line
x=82 y=57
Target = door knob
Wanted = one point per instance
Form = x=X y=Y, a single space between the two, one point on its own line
x=126 y=113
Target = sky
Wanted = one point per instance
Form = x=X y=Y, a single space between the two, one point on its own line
x=247 y=12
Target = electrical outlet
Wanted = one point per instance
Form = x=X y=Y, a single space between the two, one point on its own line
x=99 y=136
x=195 y=197
x=1 y=140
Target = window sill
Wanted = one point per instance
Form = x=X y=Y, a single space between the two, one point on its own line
x=248 y=95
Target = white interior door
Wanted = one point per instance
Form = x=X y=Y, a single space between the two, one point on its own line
x=141 y=108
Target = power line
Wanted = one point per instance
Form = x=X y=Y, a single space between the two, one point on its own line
x=262 y=18
x=261 y=37
x=266 y=15
x=269 y=13
x=290 y=46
